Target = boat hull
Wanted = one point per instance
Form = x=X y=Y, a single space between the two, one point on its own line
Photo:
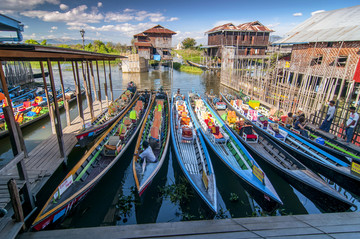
x=340 y=176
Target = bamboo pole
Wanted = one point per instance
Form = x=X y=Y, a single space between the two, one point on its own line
x=93 y=80
x=99 y=91
x=105 y=84
x=87 y=91
x=57 y=114
x=52 y=120
x=66 y=103
x=111 y=87
x=78 y=92
x=90 y=94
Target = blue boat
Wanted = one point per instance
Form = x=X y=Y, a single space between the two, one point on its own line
x=318 y=160
x=233 y=154
x=285 y=165
x=191 y=152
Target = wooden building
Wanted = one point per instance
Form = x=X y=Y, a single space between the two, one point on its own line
x=251 y=38
x=323 y=66
x=154 y=41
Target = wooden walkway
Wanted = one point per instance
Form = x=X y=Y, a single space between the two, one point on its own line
x=331 y=225
x=44 y=159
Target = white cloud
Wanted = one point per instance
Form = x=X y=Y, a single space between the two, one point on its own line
x=99 y=4
x=64 y=7
x=297 y=14
x=154 y=17
x=77 y=14
x=173 y=19
x=118 y=17
x=24 y=4
x=197 y=35
x=26 y=26
x=124 y=28
x=54 y=28
x=316 y=12
x=129 y=10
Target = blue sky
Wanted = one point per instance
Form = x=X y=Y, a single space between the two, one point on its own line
x=118 y=21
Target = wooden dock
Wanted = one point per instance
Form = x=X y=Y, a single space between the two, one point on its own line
x=42 y=162
x=329 y=225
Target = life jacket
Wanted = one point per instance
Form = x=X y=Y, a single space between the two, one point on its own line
x=127 y=121
x=38 y=99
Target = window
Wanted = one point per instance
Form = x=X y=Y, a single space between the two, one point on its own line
x=340 y=61
x=316 y=60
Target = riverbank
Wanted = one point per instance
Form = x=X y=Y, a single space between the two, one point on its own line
x=188 y=69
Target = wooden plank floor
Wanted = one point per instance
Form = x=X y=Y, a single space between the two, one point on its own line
x=329 y=225
x=44 y=159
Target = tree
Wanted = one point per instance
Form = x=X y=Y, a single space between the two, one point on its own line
x=32 y=41
x=188 y=42
x=44 y=42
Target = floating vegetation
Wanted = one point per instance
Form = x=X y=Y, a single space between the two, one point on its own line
x=177 y=193
x=234 y=197
x=221 y=214
x=125 y=205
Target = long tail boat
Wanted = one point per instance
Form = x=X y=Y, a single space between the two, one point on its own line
x=283 y=163
x=234 y=155
x=94 y=164
x=156 y=131
x=318 y=160
x=191 y=152
x=30 y=112
x=107 y=117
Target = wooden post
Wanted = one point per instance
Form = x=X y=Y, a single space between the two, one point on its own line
x=21 y=140
x=48 y=98
x=78 y=92
x=24 y=176
x=66 y=103
x=15 y=201
x=111 y=88
x=105 y=84
x=58 y=127
x=93 y=80
x=90 y=94
x=99 y=91
x=11 y=124
x=87 y=91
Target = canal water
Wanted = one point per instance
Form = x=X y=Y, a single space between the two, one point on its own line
x=169 y=198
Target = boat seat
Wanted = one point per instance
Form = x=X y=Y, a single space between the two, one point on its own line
x=249 y=135
x=281 y=134
x=187 y=134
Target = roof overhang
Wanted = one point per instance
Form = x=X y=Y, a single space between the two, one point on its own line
x=25 y=52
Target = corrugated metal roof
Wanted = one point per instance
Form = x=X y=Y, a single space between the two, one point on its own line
x=255 y=26
x=336 y=25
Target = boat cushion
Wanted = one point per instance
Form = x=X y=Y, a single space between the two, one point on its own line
x=279 y=136
x=251 y=136
x=154 y=132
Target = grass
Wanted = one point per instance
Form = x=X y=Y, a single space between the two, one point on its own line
x=188 y=69
x=193 y=55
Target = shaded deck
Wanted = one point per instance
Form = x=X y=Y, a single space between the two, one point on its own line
x=42 y=162
x=331 y=225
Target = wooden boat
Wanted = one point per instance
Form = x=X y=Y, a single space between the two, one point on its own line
x=191 y=152
x=93 y=165
x=316 y=159
x=203 y=67
x=155 y=130
x=234 y=155
x=106 y=118
x=331 y=144
x=36 y=111
x=284 y=164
